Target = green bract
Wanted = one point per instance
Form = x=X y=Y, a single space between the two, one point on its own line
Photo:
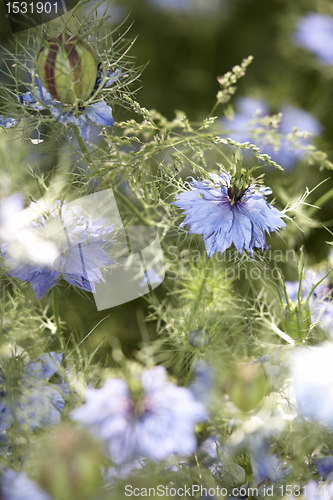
x=67 y=68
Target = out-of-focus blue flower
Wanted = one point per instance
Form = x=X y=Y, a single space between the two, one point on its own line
x=324 y=466
x=22 y=244
x=112 y=13
x=18 y=242
x=209 y=447
x=17 y=486
x=309 y=279
x=193 y=7
x=226 y=215
x=315 y=491
x=32 y=400
x=315 y=32
x=266 y=467
x=173 y=5
x=287 y=154
x=250 y=111
x=220 y=460
x=98 y=114
x=312 y=381
x=150 y=417
x=81 y=253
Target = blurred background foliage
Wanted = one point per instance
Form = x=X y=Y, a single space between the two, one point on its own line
x=185 y=45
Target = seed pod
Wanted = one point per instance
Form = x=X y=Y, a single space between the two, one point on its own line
x=67 y=68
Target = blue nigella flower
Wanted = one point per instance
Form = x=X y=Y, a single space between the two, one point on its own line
x=17 y=486
x=250 y=111
x=81 y=245
x=287 y=154
x=97 y=114
x=225 y=214
x=148 y=416
x=315 y=32
x=29 y=398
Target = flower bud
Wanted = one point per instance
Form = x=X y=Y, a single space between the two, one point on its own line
x=247 y=386
x=67 y=68
x=297 y=320
x=199 y=338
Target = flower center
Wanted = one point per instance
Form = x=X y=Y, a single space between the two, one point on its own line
x=137 y=399
x=236 y=194
x=239 y=184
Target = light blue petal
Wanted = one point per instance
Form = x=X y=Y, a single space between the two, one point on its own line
x=17 y=486
x=41 y=279
x=45 y=366
x=8 y=122
x=113 y=76
x=100 y=113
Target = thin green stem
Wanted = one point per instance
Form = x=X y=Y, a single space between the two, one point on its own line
x=56 y=311
x=315 y=286
x=134 y=209
x=85 y=153
x=300 y=277
x=139 y=215
x=214 y=108
x=201 y=290
x=189 y=375
x=194 y=309
x=320 y=202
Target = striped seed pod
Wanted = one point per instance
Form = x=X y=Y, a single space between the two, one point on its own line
x=67 y=68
